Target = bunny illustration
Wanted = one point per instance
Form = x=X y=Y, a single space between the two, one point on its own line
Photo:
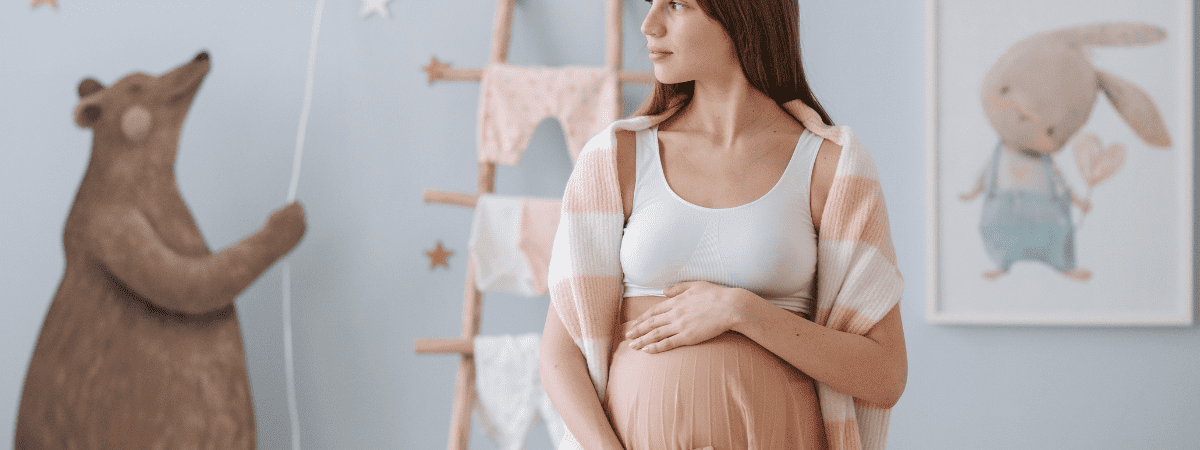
x=1037 y=96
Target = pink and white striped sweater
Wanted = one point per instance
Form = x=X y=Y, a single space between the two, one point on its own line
x=858 y=281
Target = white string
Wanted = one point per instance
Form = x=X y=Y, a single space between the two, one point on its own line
x=289 y=364
x=308 y=88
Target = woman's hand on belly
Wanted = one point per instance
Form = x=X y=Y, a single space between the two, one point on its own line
x=694 y=312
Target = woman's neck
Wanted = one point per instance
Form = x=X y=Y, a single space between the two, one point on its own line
x=726 y=111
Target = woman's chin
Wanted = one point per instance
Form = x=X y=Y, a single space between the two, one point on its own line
x=665 y=77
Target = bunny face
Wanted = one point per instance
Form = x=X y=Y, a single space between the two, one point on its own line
x=1043 y=89
x=1039 y=94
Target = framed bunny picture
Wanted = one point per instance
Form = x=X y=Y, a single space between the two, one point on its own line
x=1060 y=162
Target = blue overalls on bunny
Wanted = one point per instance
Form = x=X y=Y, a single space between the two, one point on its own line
x=1023 y=224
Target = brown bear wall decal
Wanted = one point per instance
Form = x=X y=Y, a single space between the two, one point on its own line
x=141 y=347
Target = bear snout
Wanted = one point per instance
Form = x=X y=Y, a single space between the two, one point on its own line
x=203 y=56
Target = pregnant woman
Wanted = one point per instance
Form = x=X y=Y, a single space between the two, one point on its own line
x=723 y=275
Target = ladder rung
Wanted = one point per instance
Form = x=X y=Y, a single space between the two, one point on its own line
x=443 y=346
x=440 y=71
x=450 y=198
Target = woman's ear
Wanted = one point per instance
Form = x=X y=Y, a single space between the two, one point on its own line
x=1136 y=107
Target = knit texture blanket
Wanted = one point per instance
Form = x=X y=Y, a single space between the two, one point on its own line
x=857 y=278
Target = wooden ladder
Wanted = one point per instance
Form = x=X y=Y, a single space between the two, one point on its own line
x=464 y=396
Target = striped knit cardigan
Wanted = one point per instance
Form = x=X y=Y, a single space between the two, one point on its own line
x=857 y=278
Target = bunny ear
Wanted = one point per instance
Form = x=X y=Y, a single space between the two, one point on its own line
x=1119 y=34
x=1136 y=107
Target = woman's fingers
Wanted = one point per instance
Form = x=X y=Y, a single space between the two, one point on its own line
x=677 y=289
x=677 y=340
x=659 y=308
x=663 y=345
x=653 y=334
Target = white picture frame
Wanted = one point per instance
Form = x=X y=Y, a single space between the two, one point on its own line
x=1134 y=244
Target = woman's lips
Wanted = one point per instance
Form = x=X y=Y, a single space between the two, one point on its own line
x=659 y=54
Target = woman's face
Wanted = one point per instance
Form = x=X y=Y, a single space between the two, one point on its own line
x=685 y=44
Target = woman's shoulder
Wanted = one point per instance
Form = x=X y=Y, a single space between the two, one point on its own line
x=827 y=159
x=610 y=153
x=841 y=145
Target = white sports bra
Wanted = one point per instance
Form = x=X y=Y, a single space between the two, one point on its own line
x=767 y=246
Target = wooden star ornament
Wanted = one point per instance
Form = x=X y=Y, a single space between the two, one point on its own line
x=436 y=69
x=52 y=3
x=438 y=256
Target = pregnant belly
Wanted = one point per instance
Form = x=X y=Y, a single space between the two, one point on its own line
x=727 y=392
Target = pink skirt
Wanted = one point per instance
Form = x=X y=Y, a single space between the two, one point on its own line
x=727 y=392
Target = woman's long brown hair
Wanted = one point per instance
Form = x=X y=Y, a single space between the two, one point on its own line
x=766 y=38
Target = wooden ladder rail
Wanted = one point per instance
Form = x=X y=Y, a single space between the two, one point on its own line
x=441 y=71
x=464 y=397
x=464 y=389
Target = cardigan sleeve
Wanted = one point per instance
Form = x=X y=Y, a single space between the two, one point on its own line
x=858 y=282
x=585 y=269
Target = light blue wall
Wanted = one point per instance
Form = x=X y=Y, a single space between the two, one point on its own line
x=379 y=136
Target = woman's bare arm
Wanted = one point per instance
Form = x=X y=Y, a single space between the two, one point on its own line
x=873 y=367
x=563 y=367
x=566 y=380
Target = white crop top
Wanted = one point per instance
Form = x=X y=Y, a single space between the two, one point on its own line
x=767 y=246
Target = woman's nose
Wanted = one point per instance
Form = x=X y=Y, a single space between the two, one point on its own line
x=652 y=25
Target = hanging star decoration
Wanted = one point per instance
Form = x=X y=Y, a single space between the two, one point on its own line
x=438 y=256
x=376 y=7
x=52 y=3
x=436 y=69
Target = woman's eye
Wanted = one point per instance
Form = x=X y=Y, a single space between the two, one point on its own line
x=1050 y=131
x=671 y=6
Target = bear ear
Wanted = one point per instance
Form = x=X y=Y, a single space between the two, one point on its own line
x=89 y=87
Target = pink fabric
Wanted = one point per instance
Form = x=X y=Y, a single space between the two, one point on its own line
x=514 y=100
x=727 y=392
x=539 y=222
x=511 y=238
